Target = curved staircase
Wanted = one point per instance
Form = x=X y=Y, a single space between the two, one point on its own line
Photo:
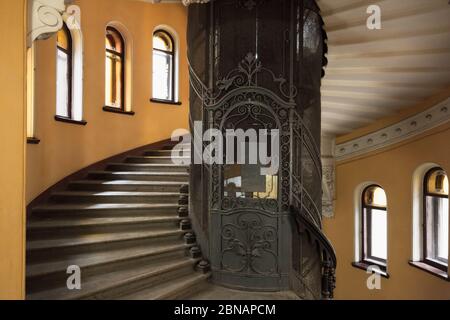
x=126 y=227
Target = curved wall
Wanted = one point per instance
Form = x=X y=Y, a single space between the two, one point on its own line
x=67 y=148
x=393 y=168
x=12 y=145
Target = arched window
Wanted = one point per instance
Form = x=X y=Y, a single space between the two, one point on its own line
x=64 y=73
x=115 y=69
x=374 y=226
x=163 y=66
x=435 y=219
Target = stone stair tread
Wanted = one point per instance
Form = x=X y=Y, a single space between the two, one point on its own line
x=168 y=289
x=101 y=238
x=101 y=282
x=164 y=152
x=142 y=173
x=103 y=206
x=95 y=258
x=129 y=182
x=158 y=157
x=89 y=222
x=186 y=149
x=120 y=225
x=116 y=193
x=144 y=165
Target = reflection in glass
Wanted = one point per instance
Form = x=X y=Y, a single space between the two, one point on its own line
x=114 y=68
x=246 y=181
x=375 y=196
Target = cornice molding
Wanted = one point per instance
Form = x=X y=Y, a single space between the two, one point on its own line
x=396 y=133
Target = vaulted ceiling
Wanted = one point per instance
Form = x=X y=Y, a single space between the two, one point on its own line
x=375 y=73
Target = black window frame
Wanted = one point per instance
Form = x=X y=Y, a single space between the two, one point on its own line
x=122 y=56
x=443 y=266
x=172 y=53
x=69 y=53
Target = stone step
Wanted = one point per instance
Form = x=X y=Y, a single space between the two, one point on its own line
x=159 y=160
x=94 y=260
x=139 y=176
x=121 y=226
x=126 y=185
x=145 y=167
x=114 y=197
x=57 y=226
x=166 y=153
x=174 y=289
x=38 y=249
x=104 y=210
x=114 y=283
x=170 y=146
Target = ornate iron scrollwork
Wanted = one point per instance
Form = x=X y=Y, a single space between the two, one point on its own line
x=245 y=75
x=250 y=244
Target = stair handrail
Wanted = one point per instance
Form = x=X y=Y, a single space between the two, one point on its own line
x=328 y=254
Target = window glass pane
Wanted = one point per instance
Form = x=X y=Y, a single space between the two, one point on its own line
x=443 y=230
x=437 y=228
x=162 y=75
x=378 y=233
x=113 y=80
x=62 y=39
x=114 y=40
x=62 y=84
x=375 y=196
x=162 y=41
x=438 y=183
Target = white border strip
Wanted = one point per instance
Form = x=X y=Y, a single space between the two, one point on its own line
x=396 y=133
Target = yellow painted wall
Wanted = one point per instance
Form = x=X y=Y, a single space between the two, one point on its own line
x=67 y=148
x=12 y=146
x=393 y=169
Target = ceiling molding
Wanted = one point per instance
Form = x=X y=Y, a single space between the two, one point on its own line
x=406 y=129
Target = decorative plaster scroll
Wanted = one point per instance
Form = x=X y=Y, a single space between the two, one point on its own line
x=328 y=180
x=45 y=18
x=396 y=133
x=328 y=176
x=72 y=17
